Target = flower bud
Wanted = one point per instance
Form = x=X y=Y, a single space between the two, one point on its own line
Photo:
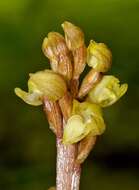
x=99 y=57
x=54 y=47
x=107 y=91
x=40 y=84
x=73 y=35
x=90 y=80
x=86 y=119
x=75 y=42
x=48 y=49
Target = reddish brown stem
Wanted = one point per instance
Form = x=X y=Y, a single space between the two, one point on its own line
x=68 y=171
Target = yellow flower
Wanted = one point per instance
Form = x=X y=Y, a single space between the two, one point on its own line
x=99 y=57
x=40 y=84
x=107 y=91
x=86 y=119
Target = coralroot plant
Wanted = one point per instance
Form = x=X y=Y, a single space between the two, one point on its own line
x=73 y=110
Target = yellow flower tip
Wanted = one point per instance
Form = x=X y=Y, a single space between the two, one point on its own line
x=108 y=91
x=73 y=35
x=44 y=45
x=29 y=98
x=18 y=92
x=99 y=56
x=123 y=89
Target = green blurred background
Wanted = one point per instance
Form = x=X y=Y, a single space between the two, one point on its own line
x=27 y=146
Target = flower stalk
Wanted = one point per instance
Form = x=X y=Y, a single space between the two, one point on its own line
x=68 y=170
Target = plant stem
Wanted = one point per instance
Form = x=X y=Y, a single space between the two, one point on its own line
x=68 y=171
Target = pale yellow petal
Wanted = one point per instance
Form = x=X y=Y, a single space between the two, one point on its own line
x=75 y=130
x=29 y=98
x=107 y=91
x=99 y=57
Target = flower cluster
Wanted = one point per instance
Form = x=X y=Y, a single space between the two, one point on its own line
x=76 y=108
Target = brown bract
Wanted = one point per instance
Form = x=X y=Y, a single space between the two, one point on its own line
x=90 y=80
x=66 y=105
x=85 y=147
x=74 y=87
x=54 y=116
x=79 y=56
